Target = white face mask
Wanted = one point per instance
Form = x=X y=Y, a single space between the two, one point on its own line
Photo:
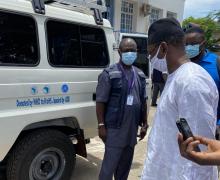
x=157 y=63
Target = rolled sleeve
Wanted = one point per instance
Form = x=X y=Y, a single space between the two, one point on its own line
x=103 y=88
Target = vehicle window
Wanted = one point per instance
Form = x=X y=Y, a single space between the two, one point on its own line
x=18 y=40
x=72 y=45
x=142 y=62
x=64 y=44
x=94 y=51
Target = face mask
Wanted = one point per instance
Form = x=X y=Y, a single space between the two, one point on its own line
x=192 y=50
x=157 y=63
x=129 y=58
x=155 y=58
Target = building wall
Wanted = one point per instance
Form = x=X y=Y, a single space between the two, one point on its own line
x=141 y=22
x=175 y=6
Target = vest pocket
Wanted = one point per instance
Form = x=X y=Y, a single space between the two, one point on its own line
x=115 y=96
x=111 y=117
x=113 y=111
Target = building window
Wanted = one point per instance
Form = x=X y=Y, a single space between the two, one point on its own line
x=72 y=45
x=108 y=14
x=18 y=40
x=127 y=10
x=171 y=15
x=155 y=15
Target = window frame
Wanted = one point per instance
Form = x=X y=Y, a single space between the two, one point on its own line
x=126 y=19
x=37 y=40
x=78 y=24
x=159 y=14
x=171 y=14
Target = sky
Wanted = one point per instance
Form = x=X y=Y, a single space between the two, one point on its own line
x=200 y=8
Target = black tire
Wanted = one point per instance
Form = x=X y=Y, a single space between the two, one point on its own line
x=44 y=151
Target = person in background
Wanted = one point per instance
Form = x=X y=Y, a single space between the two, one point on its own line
x=197 y=52
x=189 y=93
x=210 y=157
x=158 y=80
x=159 y=77
x=121 y=107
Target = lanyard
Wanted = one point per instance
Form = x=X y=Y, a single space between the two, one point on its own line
x=130 y=83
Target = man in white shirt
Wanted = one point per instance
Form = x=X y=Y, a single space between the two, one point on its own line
x=189 y=93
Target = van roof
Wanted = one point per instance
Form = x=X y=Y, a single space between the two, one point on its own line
x=74 y=15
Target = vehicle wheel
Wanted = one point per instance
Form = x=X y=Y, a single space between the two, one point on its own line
x=42 y=155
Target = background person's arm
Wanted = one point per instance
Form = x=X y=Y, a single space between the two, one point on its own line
x=102 y=97
x=144 y=124
x=100 y=111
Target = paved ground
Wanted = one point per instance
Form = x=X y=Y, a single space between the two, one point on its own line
x=88 y=169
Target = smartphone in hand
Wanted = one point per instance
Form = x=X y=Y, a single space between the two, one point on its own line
x=185 y=130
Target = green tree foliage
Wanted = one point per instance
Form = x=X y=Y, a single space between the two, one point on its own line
x=210 y=24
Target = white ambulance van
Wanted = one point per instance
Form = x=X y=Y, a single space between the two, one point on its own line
x=51 y=53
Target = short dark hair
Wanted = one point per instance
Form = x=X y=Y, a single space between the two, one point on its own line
x=198 y=30
x=127 y=40
x=168 y=30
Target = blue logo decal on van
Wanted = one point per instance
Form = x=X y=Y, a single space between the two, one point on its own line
x=34 y=90
x=65 y=88
x=46 y=90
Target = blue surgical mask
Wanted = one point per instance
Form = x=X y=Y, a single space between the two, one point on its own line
x=128 y=58
x=192 y=50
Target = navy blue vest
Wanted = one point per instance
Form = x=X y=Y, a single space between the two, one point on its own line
x=118 y=96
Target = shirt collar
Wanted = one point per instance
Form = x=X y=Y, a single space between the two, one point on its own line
x=204 y=58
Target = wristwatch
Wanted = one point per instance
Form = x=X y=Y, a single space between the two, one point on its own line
x=100 y=125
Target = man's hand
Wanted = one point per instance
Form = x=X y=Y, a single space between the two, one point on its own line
x=143 y=133
x=209 y=157
x=102 y=133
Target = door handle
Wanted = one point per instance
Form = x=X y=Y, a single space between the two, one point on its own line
x=94 y=96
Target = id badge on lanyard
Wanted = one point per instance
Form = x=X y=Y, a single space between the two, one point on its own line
x=130 y=97
x=130 y=100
